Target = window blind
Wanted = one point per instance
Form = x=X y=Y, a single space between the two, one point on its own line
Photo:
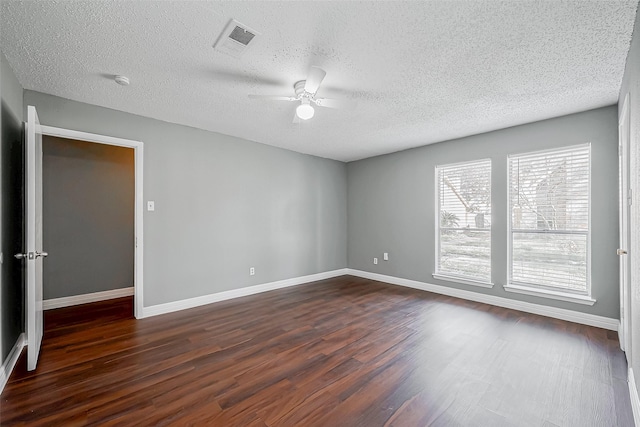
x=549 y=203
x=464 y=220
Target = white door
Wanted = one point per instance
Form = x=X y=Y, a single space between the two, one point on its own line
x=625 y=201
x=34 y=254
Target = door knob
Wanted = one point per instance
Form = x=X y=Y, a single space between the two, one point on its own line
x=621 y=252
x=31 y=255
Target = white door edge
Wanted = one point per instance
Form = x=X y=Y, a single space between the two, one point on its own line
x=625 y=291
x=33 y=237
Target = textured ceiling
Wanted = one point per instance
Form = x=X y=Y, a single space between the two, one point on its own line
x=421 y=72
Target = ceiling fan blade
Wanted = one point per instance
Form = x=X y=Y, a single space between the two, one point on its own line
x=296 y=119
x=346 y=104
x=222 y=76
x=315 y=77
x=274 y=98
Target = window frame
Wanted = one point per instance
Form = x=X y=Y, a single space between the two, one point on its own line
x=452 y=277
x=549 y=291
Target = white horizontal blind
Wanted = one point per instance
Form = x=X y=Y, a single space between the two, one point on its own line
x=549 y=202
x=464 y=220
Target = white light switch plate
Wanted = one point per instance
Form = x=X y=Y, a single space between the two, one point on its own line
x=151 y=205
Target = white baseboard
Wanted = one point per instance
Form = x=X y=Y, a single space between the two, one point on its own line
x=635 y=400
x=86 y=298
x=184 y=304
x=11 y=360
x=543 y=310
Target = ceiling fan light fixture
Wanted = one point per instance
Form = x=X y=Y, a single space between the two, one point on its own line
x=305 y=111
x=121 y=80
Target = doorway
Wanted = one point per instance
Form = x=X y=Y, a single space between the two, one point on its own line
x=72 y=139
x=88 y=196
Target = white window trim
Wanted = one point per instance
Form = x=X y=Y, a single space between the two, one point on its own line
x=547 y=293
x=544 y=292
x=463 y=280
x=467 y=280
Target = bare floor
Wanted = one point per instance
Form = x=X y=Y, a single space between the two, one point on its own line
x=339 y=352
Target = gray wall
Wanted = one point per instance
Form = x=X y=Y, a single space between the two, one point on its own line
x=391 y=204
x=223 y=204
x=631 y=85
x=88 y=217
x=11 y=287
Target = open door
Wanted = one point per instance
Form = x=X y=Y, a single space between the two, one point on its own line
x=34 y=254
x=625 y=202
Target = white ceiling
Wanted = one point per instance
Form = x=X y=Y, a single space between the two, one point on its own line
x=422 y=72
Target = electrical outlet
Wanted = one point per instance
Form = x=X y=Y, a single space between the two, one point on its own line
x=252 y=271
x=375 y=260
x=386 y=256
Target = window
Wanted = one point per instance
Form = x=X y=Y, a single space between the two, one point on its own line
x=464 y=221
x=549 y=233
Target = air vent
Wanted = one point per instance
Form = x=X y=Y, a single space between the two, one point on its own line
x=241 y=35
x=236 y=39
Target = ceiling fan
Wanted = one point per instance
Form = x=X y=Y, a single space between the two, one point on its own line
x=305 y=94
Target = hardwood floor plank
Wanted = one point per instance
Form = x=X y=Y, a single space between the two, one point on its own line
x=339 y=352
x=622 y=402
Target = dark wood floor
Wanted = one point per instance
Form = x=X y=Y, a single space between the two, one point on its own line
x=340 y=352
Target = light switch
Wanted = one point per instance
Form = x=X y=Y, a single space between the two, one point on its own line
x=151 y=206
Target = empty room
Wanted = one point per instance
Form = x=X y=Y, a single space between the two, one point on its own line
x=320 y=213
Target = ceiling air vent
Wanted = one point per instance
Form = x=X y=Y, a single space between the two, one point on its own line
x=236 y=39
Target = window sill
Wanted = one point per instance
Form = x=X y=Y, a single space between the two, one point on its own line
x=463 y=280
x=544 y=293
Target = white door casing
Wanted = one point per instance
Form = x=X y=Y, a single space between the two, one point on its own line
x=138 y=243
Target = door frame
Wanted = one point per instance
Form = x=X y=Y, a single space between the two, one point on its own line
x=138 y=150
x=624 y=145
